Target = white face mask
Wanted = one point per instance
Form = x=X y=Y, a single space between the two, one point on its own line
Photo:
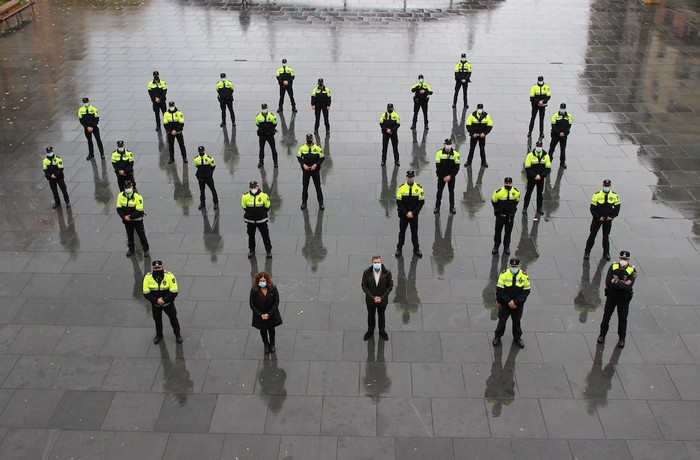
x=223 y=79
x=50 y=155
x=479 y=111
x=172 y=109
x=264 y=112
x=410 y=182
x=420 y=80
x=624 y=263
x=514 y=270
x=120 y=150
x=254 y=191
x=128 y=191
x=538 y=150
x=562 y=112
x=86 y=104
x=447 y=148
x=463 y=60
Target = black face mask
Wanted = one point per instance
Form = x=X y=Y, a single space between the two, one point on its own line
x=158 y=275
x=507 y=187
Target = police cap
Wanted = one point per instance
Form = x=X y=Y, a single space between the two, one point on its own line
x=49 y=149
x=540 y=78
x=263 y=106
x=410 y=173
x=562 y=105
x=128 y=183
x=157 y=264
x=508 y=180
x=514 y=262
x=253 y=183
x=200 y=148
x=479 y=106
x=607 y=182
x=223 y=75
x=85 y=100
x=171 y=104
x=624 y=254
x=120 y=143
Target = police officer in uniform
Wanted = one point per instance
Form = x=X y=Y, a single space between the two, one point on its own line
x=505 y=203
x=174 y=122
x=410 y=199
x=160 y=288
x=157 y=91
x=512 y=289
x=256 y=203
x=463 y=74
x=310 y=157
x=539 y=97
x=421 y=95
x=205 y=176
x=618 y=292
x=123 y=163
x=605 y=206
x=321 y=102
x=130 y=209
x=389 y=122
x=285 y=78
x=537 y=167
x=479 y=124
x=267 y=127
x=53 y=171
x=561 y=126
x=224 y=89
x=446 y=168
x=89 y=117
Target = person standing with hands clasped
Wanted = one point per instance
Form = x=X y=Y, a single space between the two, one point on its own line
x=537 y=167
x=321 y=102
x=618 y=293
x=539 y=97
x=389 y=122
x=505 y=204
x=421 y=95
x=205 y=176
x=264 y=301
x=224 y=91
x=446 y=168
x=410 y=199
x=561 y=127
x=377 y=283
x=463 y=75
x=89 y=117
x=267 y=127
x=123 y=163
x=157 y=91
x=605 y=206
x=479 y=124
x=512 y=289
x=174 y=123
x=53 y=171
x=285 y=78
x=256 y=203
x=310 y=157
x=160 y=288
x=130 y=209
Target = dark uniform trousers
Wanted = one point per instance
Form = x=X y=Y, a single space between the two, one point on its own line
x=287 y=89
x=505 y=312
x=535 y=110
x=595 y=226
x=159 y=107
x=552 y=145
x=316 y=176
x=121 y=179
x=503 y=220
x=207 y=182
x=404 y=222
x=88 y=136
x=531 y=184
x=464 y=87
x=450 y=188
x=136 y=226
x=472 y=146
x=169 y=310
x=318 y=110
x=54 y=184
x=270 y=139
x=622 y=302
x=394 y=145
x=379 y=310
x=180 y=142
x=264 y=232
x=223 y=103
x=420 y=105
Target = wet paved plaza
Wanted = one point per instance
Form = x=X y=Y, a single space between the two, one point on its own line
x=80 y=377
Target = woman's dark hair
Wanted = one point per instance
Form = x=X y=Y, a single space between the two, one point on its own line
x=265 y=275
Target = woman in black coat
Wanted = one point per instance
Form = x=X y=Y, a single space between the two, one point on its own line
x=264 y=301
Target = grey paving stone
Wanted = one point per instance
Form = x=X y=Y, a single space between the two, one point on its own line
x=646 y=381
x=131 y=374
x=296 y=415
x=127 y=445
x=416 y=448
x=30 y=408
x=404 y=417
x=241 y=413
x=82 y=444
x=81 y=410
x=37 y=372
x=250 y=446
x=437 y=380
x=348 y=416
x=459 y=418
x=282 y=377
x=542 y=381
x=185 y=413
x=675 y=418
x=416 y=346
x=365 y=448
x=540 y=448
x=27 y=444
x=569 y=419
x=520 y=418
x=601 y=449
x=641 y=449
x=133 y=412
x=189 y=445
x=320 y=447
x=333 y=378
x=615 y=416
x=230 y=376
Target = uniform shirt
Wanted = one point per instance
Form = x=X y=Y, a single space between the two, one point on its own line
x=174 y=120
x=409 y=198
x=131 y=206
x=537 y=163
x=53 y=166
x=505 y=202
x=205 y=166
x=605 y=204
x=540 y=93
x=285 y=73
x=255 y=206
x=447 y=163
x=310 y=155
x=166 y=288
x=88 y=116
x=123 y=161
x=415 y=89
x=615 y=280
x=266 y=124
x=561 y=123
x=225 y=90
x=157 y=89
x=321 y=97
x=512 y=287
x=463 y=71
x=389 y=121
x=479 y=124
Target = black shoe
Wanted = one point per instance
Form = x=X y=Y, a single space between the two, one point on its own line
x=251 y=254
x=303 y=205
x=396 y=163
x=468 y=164
x=67 y=204
x=272 y=348
x=586 y=255
x=157 y=339
x=233 y=123
x=279 y=109
x=536 y=218
x=563 y=165
x=201 y=206
x=223 y=123
x=484 y=164
x=321 y=207
x=496 y=342
x=184 y=159
x=171 y=161
x=267 y=349
x=417 y=253
x=540 y=212
x=384 y=335
x=494 y=251
x=453 y=211
x=56 y=205
x=454 y=106
x=260 y=165
x=146 y=254
x=506 y=251
x=90 y=156
x=413 y=127
x=216 y=205
x=178 y=338
x=397 y=253
x=383 y=163
x=269 y=255
x=519 y=342
x=436 y=210
x=276 y=165
x=102 y=156
x=130 y=253
x=524 y=211
x=601 y=338
x=621 y=343
x=606 y=256
x=157 y=127
x=367 y=335
x=529 y=135
x=426 y=128
x=294 y=109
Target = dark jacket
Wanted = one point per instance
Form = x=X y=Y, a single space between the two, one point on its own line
x=268 y=304
x=372 y=290
x=615 y=281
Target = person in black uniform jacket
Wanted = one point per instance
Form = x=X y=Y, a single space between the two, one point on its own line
x=157 y=91
x=618 y=292
x=264 y=301
x=377 y=283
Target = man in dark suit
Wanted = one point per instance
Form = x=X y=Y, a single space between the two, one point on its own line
x=377 y=283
